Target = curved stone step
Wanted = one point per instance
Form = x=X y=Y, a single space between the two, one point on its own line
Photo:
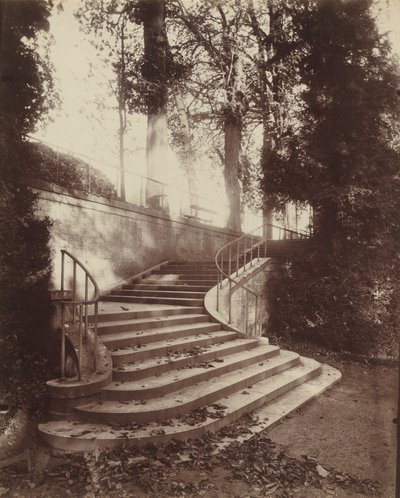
x=189 y=398
x=179 y=281
x=185 y=271
x=132 y=358
x=169 y=382
x=176 y=265
x=155 y=300
x=160 y=293
x=125 y=313
x=185 y=277
x=143 y=338
x=174 y=287
x=150 y=323
x=284 y=393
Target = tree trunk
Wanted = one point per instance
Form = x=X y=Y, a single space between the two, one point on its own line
x=122 y=113
x=121 y=133
x=265 y=112
x=155 y=73
x=188 y=156
x=233 y=129
x=233 y=116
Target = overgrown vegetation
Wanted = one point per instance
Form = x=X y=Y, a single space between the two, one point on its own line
x=26 y=93
x=66 y=171
x=343 y=162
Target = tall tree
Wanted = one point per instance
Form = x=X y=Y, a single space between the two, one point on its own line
x=26 y=93
x=152 y=13
x=277 y=49
x=118 y=44
x=343 y=163
x=215 y=32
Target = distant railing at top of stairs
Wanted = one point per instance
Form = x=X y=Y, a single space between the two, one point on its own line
x=171 y=198
x=240 y=254
x=80 y=309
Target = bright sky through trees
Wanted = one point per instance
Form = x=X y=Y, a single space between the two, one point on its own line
x=87 y=122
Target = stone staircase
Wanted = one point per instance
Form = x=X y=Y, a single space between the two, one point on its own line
x=176 y=372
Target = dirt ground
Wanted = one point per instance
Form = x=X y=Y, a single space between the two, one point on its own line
x=341 y=444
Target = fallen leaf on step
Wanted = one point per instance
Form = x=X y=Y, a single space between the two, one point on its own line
x=157 y=432
x=321 y=471
x=271 y=489
x=125 y=309
x=135 y=460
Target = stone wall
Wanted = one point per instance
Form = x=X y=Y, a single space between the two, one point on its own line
x=261 y=281
x=115 y=240
x=260 y=278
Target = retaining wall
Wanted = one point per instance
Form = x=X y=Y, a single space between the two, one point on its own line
x=116 y=240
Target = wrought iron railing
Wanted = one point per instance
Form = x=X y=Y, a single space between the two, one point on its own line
x=80 y=308
x=236 y=256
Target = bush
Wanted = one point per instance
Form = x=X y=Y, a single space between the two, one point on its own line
x=24 y=277
x=66 y=171
x=341 y=306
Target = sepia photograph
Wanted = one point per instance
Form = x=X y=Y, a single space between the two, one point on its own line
x=199 y=248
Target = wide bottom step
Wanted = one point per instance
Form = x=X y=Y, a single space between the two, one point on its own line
x=283 y=394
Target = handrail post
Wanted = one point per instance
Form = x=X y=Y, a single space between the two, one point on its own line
x=86 y=306
x=78 y=308
x=255 y=317
x=96 y=313
x=230 y=302
x=222 y=266
x=62 y=366
x=218 y=278
x=251 y=250
x=237 y=258
x=247 y=310
x=244 y=253
x=80 y=344
x=74 y=291
x=230 y=257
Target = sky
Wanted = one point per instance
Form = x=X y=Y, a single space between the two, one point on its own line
x=82 y=127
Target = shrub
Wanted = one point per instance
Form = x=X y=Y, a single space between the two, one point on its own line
x=66 y=171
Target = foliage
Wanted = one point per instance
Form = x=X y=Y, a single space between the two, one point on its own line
x=24 y=276
x=341 y=162
x=26 y=93
x=67 y=171
x=27 y=89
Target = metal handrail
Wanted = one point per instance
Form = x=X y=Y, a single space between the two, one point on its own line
x=82 y=305
x=257 y=237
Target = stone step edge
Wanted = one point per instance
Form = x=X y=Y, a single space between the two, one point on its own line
x=167 y=288
x=173 y=408
x=149 y=323
x=172 y=381
x=208 y=283
x=159 y=293
x=108 y=438
x=162 y=333
x=115 y=316
x=155 y=300
x=162 y=348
